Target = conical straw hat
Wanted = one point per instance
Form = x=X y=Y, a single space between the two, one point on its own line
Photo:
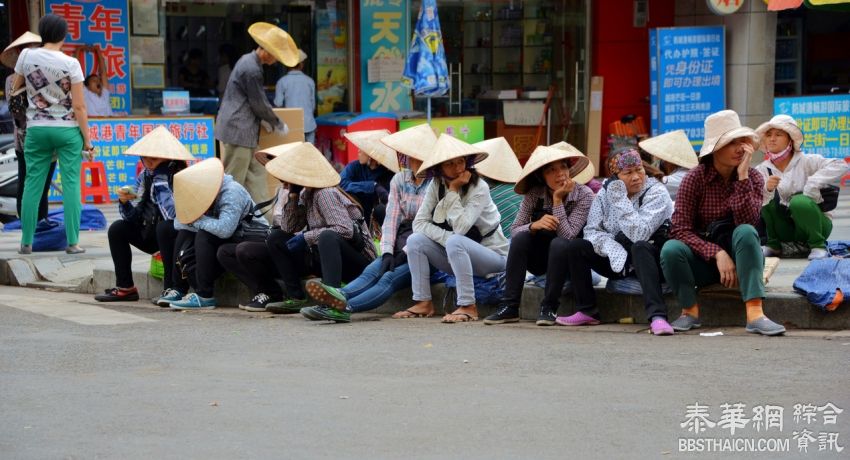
x=544 y=155
x=502 y=164
x=369 y=142
x=416 y=142
x=265 y=156
x=302 y=165
x=673 y=147
x=10 y=55
x=276 y=41
x=160 y=143
x=448 y=148
x=195 y=189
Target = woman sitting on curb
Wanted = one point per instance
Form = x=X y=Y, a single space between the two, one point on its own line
x=677 y=157
x=457 y=230
x=210 y=206
x=792 y=190
x=390 y=273
x=714 y=225
x=501 y=170
x=624 y=230
x=149 y=223
x=555 y=204
x=322 y=229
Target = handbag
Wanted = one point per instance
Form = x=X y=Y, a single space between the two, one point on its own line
x=186 y=260
x=252 y=228
x=474 y=233
x=18 y=102
x=150 y=218
x=720 y=232
x=405 y=229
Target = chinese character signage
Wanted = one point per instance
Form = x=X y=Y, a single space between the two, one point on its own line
x=383 y=32
x=175 y=102
x=105 y=24
x=687 y=78
x=112 y=137
x=824 y=120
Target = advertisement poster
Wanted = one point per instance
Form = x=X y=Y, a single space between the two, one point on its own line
x=104 y=24
x=332 y=62
x=824 y=120
x=384 y=34
x=467 y=129
x=687 y=78
x=113 y=136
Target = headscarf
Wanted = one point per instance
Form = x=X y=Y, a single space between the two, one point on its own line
x=624 y=159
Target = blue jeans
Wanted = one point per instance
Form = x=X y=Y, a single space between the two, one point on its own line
x=369 y=292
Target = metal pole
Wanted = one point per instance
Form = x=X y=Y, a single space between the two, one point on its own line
x=429 y=110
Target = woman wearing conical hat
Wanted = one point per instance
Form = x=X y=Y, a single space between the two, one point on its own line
x=147 y=217
x=457 y=230
x=368 y=177
x=555 y=204
x=620 y=240
x=792 y=189
x=210 y=206
x=321 y=228
x=677 y=157
x=717 y=209
x=501 y=170
x=391 y=272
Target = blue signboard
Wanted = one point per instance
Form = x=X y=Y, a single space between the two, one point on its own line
x=824 y=120
x=687 y=78
x=104 y=24
x=384 y=34
x=111 y=137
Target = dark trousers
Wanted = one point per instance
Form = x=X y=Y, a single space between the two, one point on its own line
x=122 y=234
x=644 y=257
x=252 y=263
x=207 y=267
x=528 y=252
x=22 y=174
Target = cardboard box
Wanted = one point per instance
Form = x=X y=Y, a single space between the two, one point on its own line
x=294 y=119
x=594 y=123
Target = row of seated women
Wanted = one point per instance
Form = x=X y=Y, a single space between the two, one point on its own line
x=441 y=215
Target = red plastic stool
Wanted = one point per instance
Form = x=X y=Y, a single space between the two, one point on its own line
x=99 y=188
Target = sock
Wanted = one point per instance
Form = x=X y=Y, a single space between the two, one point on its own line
x=836 y=301
x=693 y=310
x=754 y=310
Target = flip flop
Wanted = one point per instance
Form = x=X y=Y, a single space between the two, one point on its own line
x=411 y=314
x=468 y=318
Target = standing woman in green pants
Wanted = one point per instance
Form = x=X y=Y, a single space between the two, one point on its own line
x=56 y=122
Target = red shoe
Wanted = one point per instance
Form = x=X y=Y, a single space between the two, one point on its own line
x=117 y=294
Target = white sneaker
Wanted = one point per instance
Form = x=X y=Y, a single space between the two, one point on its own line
x=770 y=252
x=818 y=253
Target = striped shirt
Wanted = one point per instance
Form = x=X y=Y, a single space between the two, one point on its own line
x=507 y=202
x=325 y=209
x=404 y=200
x=572 y=216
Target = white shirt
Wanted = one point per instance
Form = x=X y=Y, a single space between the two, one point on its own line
x=49 y=75
x=98 y=106
x=807 y=173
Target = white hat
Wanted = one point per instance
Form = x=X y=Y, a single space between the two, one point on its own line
x=785 y=123
x=722 y=128
x=448 y=148
x=369 y=142
x=416 y=142
x=502 y=164
x=303 y=165
x=581 y=176
x=276 y=41
x=160 y=143
x=543 y=155
x=196 y=188
x=10 y=55
x=673 y=147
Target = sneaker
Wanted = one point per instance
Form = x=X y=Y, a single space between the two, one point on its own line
x=685 y=323
x=770 y=252
x=577 y=319
x=258 y=303
x=546 y=317
x=286 y=306
x=326 y=295
x=323 y=312
x=660 y=326
x=818 y=253
x=169 y=295
x=193 y=302
x=764 y=326
x=117 y=294
x=505 y=314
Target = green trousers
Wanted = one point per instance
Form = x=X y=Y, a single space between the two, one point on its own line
x=685 y=271
x=41 y=142
x=806 y=223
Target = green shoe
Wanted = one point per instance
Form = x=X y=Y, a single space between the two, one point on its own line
x=326 y=313
x=287 y=306
x=326 y=295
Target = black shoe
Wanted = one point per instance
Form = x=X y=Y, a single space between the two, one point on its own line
x=118 y=295
x=505 y=314
x=258 y=303
x=547 y=316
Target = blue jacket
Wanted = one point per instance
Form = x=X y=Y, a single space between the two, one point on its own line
x=160 y=193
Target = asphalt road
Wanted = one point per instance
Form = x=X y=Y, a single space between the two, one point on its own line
x=127 y=382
